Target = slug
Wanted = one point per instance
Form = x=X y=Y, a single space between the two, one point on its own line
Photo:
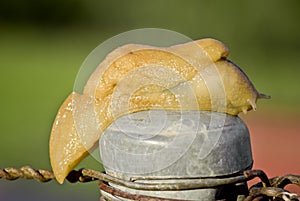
x=191 y=76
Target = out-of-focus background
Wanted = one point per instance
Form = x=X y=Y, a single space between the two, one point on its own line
x=43 y=43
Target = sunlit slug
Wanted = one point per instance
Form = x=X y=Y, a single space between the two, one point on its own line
x=132 y=78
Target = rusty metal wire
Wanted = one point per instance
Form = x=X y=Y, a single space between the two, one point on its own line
x=267 y=189
x=273 y=192
x=281 y=182
x=26 y=172
x=116 y=192
x=187 y=184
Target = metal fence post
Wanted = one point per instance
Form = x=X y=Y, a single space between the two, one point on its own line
x=177 y=147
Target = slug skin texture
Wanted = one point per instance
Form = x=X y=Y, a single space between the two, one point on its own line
x=191 y=76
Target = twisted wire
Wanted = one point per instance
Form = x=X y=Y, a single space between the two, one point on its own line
x=26 y=172
x=268 y=189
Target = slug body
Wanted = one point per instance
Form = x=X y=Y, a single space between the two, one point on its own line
x=132 y=78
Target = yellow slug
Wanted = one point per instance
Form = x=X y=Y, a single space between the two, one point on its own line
x=190 y=76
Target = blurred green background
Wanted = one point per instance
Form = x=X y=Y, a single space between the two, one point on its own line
x=43 y=43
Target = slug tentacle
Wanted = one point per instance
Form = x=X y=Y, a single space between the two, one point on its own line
x=252 y=104
x=263 y=96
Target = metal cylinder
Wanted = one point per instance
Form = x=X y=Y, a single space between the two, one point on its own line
x=169 y=146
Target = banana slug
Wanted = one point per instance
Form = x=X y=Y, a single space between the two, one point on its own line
x=190 y=76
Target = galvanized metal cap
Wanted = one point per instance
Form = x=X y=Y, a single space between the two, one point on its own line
x=175 y=144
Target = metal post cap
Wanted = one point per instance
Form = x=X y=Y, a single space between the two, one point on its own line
x=175 y=144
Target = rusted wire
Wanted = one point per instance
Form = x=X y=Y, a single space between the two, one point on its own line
x=260 y=174
x=281 y=182
x=87 y=175
x=254 y=198
x=271 y=192
x=26 y=172
x=184 y=185
x=118 y=193
x=272 y=189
